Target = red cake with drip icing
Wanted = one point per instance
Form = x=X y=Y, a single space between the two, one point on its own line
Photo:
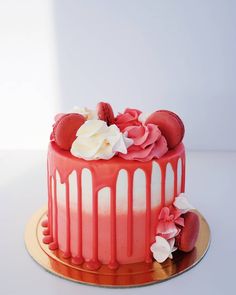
x=116 y=194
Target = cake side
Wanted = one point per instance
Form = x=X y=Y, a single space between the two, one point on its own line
x=106 y=211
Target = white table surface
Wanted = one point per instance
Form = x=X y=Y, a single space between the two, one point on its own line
x=210 y=184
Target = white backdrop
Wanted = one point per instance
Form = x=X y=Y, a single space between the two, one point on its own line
x=177 y=55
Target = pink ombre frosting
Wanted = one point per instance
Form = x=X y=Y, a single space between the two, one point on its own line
x=148 y=143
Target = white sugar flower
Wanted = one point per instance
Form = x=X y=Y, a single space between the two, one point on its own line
x=162 y=249
x=95 y=140
x=87 y=113
x=181 y=202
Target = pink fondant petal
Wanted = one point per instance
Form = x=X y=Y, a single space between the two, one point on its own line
x=167 y=230
x=180 y=221
x=164 y=213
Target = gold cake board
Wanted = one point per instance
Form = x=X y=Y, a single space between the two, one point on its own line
x=129 y=275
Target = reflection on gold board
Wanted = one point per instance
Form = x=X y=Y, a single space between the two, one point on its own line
x=129 y=275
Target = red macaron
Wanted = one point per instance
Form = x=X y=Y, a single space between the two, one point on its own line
x=187 y=238
x=65 y=129
x=171 y=126
x=59 y=116
x=105 y=113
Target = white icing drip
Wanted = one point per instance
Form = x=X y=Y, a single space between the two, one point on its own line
x=139 y=191
x=87 y=190
x=169 y=186
x=61 y=190
x=179 y=176
x=139 y=197
x=104 y=200
x=155 y=185
x=122 y=192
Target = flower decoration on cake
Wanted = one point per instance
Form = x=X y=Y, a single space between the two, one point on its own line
x=130 y=117
x=148 y=143
x=177 y=228
x=86 y=113
x=163 y=249
x=95 y=140
x=131 y=135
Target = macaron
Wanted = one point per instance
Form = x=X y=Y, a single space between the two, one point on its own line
x=65 y=129
x=105 y=113
x=187 y=238
x=171 y=126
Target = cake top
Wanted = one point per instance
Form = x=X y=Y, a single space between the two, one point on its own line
x=132 y=135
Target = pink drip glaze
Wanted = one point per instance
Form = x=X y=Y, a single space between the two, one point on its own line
x=94 y=263
x=47 y=239
x=163 y=185
x=148 y=258
x=67 y=253
x=55 y=212
x=46 y=232
x=105 y=174
x=50 y=206
x=175 y=169
x=53 y=246
x=183 y=175
x=130 y=214
x=49 y=232
x=79 y=258
x=113 y=262
x=44 y=223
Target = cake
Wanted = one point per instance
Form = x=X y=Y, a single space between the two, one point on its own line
x=116 y=188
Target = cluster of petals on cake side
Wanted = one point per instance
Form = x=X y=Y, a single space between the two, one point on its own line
x=131 y=135
x=177 y=228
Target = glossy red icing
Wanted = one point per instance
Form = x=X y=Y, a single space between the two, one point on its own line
x=104 y=174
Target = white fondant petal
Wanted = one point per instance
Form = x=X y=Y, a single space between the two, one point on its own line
x=171 y=242
x=182 y=203
x=161 y=249
x=87 y=113
x=170 y=256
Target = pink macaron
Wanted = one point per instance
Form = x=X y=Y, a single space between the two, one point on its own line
x=105 y=113
x=65 y=129
x=187 y=238
x=171 y=126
